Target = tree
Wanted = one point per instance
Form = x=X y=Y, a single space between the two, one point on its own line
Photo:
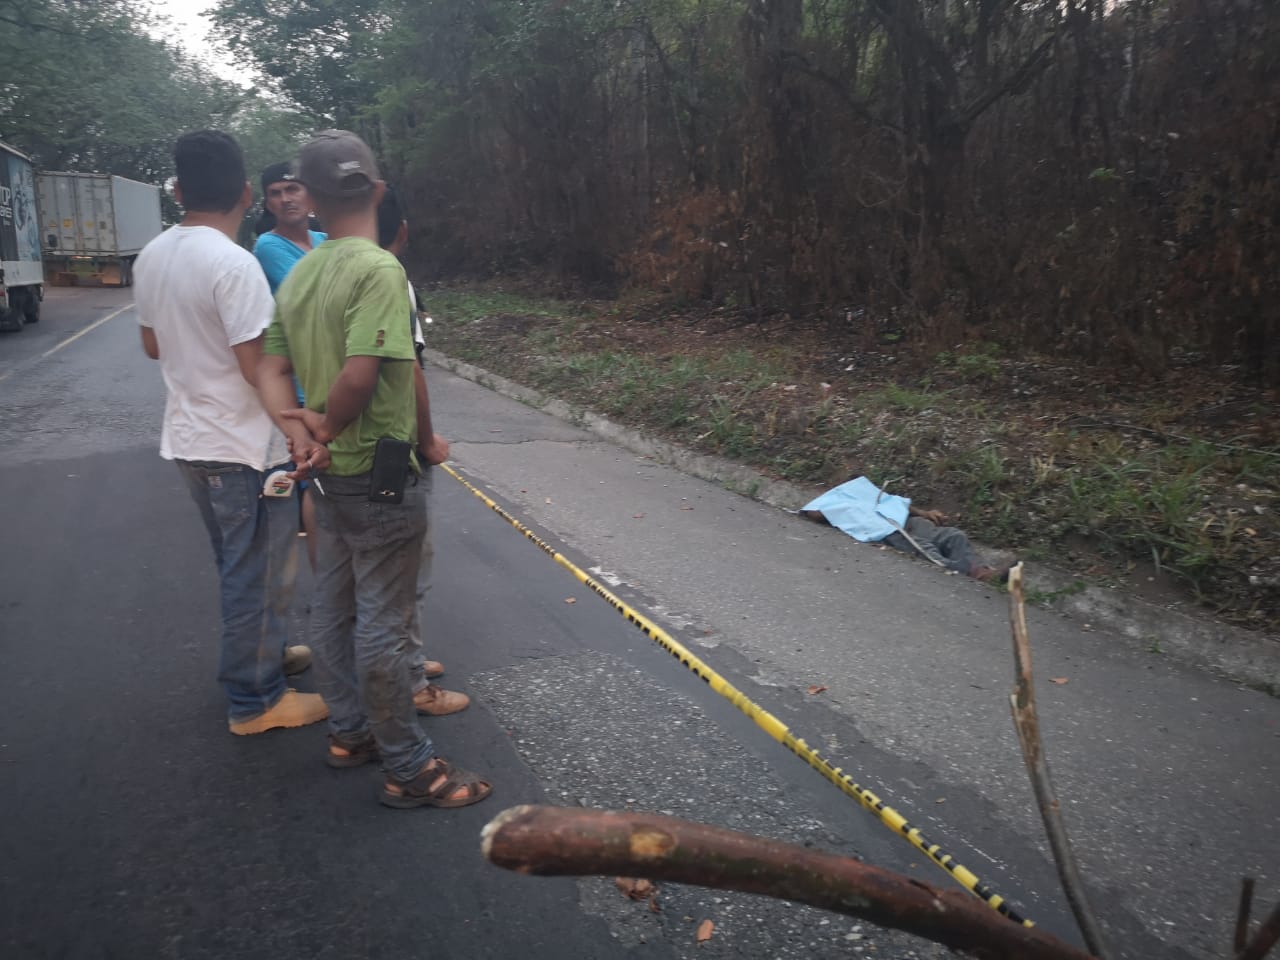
x=321 y=52
x=95 y=92
x=1041 y=168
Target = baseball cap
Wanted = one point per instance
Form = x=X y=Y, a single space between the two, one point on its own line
x=337 y=163
x=276 y=173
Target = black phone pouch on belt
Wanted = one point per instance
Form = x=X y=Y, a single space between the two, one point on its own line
x=390 y=470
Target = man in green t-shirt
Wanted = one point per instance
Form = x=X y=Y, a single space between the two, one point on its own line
x=340 y=328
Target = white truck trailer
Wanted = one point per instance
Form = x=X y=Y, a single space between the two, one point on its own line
x=21 y=273
x=94 y=226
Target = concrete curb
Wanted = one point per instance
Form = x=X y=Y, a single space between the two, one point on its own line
x=1233 y=653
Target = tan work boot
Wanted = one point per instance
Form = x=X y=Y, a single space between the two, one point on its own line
x=294 y=709
x=433 y=669
x=436 y=702
x=296 y=659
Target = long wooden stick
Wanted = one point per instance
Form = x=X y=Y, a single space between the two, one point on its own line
x=1242 y=915
x=1266 y=937
x=552 y=841
x=1023 y=704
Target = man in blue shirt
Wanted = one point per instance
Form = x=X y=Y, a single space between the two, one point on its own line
x=291 y=239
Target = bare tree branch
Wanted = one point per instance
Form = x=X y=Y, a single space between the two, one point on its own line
x=896 y=16
x=26 y=23
x=800 y=64
x=1242 y=915
x=1034 y=63
x=551 y=841
x=1267 y=936
x=1023 y=704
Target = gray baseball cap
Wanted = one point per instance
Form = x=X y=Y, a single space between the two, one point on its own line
x=337 y=163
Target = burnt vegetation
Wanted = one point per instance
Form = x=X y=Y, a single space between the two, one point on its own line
x=1090 y=178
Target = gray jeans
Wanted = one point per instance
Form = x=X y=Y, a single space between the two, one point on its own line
x=416 y=674
x=363 y=617
x=947 y=545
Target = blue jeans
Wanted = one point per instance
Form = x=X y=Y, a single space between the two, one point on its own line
x=368 y=556
x=255 y=549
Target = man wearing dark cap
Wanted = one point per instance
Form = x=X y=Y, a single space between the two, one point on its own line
x=340 y=327
x=291 y=238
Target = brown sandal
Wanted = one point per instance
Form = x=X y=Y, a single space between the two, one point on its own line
x=419 y=791
x=343 y=754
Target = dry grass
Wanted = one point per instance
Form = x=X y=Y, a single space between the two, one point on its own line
x=1169 y=486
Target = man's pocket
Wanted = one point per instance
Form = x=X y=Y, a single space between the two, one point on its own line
x=233 y=492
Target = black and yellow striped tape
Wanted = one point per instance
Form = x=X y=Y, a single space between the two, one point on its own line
x=770 y=724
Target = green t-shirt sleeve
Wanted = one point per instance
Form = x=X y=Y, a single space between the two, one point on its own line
x=275 y=342
x=375 y=318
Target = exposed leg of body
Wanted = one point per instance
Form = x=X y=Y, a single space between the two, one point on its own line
x=946 y=546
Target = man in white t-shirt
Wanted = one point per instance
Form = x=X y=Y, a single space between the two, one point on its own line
x=204 y=304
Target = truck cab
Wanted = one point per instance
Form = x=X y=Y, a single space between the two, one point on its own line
x=21 y=263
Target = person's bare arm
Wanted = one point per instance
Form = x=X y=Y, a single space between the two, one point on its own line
x=433 y=447
x=275 y=389
x=348 y=397
x=936 y=516
x=150 y=345
x=247 y=356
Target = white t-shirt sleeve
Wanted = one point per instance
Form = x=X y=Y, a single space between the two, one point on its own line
x=418 y=339
x=244 y=302
x=144 y=305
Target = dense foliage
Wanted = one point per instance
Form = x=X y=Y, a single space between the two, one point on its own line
x=1078 y=175
x=1092 y=177
x=86 y=87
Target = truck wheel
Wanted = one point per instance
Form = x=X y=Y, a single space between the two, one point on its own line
x=12 y=318
x=32 y=308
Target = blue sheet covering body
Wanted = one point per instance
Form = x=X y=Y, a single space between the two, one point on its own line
x=861 y=510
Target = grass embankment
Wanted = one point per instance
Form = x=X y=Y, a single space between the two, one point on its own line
x=1170 y=486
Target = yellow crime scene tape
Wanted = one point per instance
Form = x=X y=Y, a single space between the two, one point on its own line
x=770 y=724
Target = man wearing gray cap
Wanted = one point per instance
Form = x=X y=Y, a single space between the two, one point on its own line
x=340 y=328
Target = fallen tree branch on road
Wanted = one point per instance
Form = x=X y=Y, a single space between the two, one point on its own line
x=552 y=841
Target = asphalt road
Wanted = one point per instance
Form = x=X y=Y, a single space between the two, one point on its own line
x=133 y=825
